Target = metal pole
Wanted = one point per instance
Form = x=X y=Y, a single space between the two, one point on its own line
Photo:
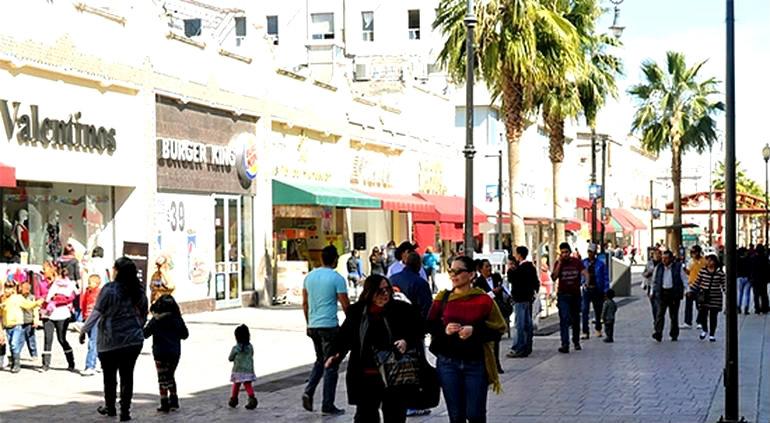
x=2 y=227
x=500 y=200
x=593 y=182
x=652 y=217
x=469 y=151
x=604 y=187
x=731 y=339
x=711 y=206
x=766 y=210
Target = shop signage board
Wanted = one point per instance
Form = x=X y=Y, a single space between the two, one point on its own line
x=138 y=252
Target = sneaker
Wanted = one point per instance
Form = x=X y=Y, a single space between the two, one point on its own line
x=88 y=372
x=608 y=340
x=564 y=350
x=578 y=347
x=685 y=326
x=334 y=411
x=584 y=336
x=598 y=334
x=657 y=337
x=699 y=326
x=307 y=402
x=712 y=339
x=702 y=336
x=674 y=339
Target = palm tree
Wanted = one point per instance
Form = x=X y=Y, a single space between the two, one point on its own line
x=743 y=184
x=508 y=36
x=676 y=111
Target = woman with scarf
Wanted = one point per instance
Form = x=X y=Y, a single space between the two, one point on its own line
x=375 y=323
x=464 y=324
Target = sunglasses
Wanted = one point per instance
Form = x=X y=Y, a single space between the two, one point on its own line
x=384 y=291
x=455 y=272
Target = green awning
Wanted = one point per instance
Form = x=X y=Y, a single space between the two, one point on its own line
x=295 y=194
x=614 y=224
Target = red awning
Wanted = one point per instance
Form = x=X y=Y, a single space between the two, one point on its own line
x=629 y=222
x=7 y=176
x=454 y=231
x=402 y=202
x=582 y=203
x=447 y=209
x=574 y=225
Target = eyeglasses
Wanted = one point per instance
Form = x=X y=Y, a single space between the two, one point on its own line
x=455 y=272
x=384 y=291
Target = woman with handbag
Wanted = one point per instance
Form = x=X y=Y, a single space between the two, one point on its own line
x=384 y=338
x=710 y=285
x=464 y=324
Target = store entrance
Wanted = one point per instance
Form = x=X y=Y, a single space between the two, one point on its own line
x=227 y=251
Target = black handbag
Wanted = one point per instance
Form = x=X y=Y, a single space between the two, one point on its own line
x=397 y=369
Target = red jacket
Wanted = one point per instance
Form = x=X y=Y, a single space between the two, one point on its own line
x=87 y=301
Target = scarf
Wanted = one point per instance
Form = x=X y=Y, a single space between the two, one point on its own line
x=495 y=322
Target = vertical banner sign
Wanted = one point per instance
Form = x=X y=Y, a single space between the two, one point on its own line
x=138 y=251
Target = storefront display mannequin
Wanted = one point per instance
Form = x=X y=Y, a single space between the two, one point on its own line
x=6 y=240
x=53 y=243
x=21 y=232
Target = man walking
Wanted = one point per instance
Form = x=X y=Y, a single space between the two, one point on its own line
x=524 y=287
x=323 y=288
x=667 y=292
x=415 y=288
x=401 y=253
x=760 y=274
x=594 y=285
x=567 y=272
x=696 y=264
x=649 y=280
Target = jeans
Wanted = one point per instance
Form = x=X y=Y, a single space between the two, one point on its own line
x=569 y=316
x=29 y=338
x=689 y=301
x=91 y=355
x=368 y=407
x=669 y=300
x=592 y=296
x=708 y=317
x=523 y=322
x=464 y=383
x=114 y=362
x=15 y=339
x=744 y=293
x=431 y=273
x=322 y=342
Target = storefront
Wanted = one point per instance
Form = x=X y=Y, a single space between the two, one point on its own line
x=77 y=164
x=207 y=160
x=307 y=218
x=443 y=227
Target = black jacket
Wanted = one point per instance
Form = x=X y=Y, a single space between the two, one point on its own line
x=360 y=335
x=524 y=282
x=760 y=269
x=481 y=282
x=167 y=331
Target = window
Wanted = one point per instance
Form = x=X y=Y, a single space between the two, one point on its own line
x=367 y=25
x=323 y=26
x=414 y=24
x=240 y=26
x=272 y=28
x=192 y=27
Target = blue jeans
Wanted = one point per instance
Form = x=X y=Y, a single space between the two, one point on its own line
x=569 y=317
x=522 y=313
x=322 y=343
x=15 y=339
x=91 y=355
x=465 y=385
x=29 y=338
x=595 y=297
x=744 y=293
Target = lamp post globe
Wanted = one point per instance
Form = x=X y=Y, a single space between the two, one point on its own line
x=616 y=29
x=766 y=152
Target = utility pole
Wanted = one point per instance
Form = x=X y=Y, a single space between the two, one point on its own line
x=469 y=151
x=652 y=215
x=500 y=200
x=593 y=183
x=604 y=191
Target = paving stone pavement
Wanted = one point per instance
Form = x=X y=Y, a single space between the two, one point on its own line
x=633 y=380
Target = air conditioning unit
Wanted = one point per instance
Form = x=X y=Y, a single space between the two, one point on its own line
x=362 y=72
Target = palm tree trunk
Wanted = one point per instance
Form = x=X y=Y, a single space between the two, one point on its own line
x=555 y=128
x=676 y=177
x=513 y=115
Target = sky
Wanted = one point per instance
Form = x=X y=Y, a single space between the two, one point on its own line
x=697 y=29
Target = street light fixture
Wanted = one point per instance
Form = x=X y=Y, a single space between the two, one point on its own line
x=469 y=151
x=766 y=156
x=616 y=29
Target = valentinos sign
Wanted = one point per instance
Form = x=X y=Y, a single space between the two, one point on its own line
x=72 y=133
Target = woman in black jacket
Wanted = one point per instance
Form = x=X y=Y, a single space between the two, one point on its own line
x=376 y=322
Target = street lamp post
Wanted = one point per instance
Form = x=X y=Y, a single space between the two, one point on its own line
x=469 y=151
x=499 y=155
x=616 y=29
x=766 y=156
x=604 y=191
x=593 y=184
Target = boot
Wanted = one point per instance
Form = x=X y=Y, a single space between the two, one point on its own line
x=46 y=361
x=108 y=411
x=173 y=402
x=70 y=360
x=16 y=363
x=252 y=403
x=233 y=402
x=164 y=406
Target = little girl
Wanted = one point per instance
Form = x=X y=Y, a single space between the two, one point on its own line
x=167 y=329
x=242 y=356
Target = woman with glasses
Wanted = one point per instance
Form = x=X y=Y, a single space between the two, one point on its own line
x=464 y=324
x=375 y=323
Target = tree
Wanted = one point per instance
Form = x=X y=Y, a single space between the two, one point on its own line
x=675 y=111
x=509 y=48
x=743 y=184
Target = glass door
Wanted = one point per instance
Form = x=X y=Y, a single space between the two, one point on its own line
x=228 y=251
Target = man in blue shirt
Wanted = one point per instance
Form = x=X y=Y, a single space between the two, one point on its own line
x=409 y=282
x=594 y=285
x=322 y=289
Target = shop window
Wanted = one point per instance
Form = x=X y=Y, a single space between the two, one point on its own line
x=367 y=26
x=192 y=27
x=240 y=26
x=39 y=219
x=323 y=26
x=414 y=24
x=272 y=28
x=247 y=243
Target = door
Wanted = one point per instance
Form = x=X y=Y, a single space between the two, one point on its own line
x=228 y=251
